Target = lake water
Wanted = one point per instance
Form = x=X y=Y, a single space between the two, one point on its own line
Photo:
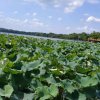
x=38 y=37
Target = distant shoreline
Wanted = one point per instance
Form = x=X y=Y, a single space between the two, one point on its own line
x=73 y=36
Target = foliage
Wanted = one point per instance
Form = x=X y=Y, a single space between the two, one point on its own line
x=72 y=36
x=36 y=69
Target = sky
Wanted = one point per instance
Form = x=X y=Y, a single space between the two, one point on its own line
x=57 y=16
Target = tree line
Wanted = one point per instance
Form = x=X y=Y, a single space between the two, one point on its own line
x=83 y=36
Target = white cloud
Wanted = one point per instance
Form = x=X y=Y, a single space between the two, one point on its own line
x=27 y=14
x=15 y=12
x=93 y=1
x=25 y=21
x=19 y=24
x=68 y=5
x=86 y=29
x=34 y=14
x=56 y=5
x=82 y=19
x=59 y=19
x=28 y=1
x=35 y=19
x=93 y=29
x=50 y=17
x=86 y=14
x=1 y=14
x=93 y=19
x=67 y=28
x=72 y=5
x=31 y=14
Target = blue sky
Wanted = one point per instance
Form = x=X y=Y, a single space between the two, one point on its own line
x=58 y=16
